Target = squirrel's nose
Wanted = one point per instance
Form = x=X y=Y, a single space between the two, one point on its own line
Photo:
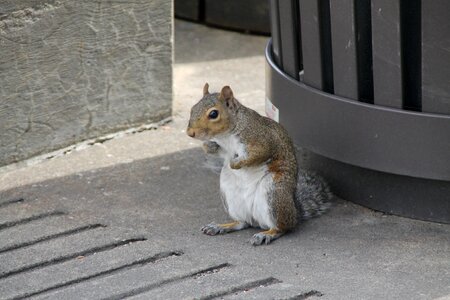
x=190 y=132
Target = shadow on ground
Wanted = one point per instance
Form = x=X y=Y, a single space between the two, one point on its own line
x=195 y=43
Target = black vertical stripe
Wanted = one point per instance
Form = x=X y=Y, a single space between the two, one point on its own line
x=364 y=50
x=410 y=16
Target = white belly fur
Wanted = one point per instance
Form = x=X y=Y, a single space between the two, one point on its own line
x=246 y=190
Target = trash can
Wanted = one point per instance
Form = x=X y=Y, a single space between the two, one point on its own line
x=363 y=87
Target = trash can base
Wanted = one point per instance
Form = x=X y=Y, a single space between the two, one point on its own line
x=405 y=196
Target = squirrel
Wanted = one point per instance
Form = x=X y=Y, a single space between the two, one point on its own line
x=260 y=182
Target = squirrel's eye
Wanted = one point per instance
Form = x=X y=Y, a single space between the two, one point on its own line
x=213 y=114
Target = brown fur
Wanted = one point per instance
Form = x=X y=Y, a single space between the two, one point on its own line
x=272 y=232
x=275 y=169
x=229 y=225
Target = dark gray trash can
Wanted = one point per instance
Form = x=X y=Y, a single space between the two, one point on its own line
x=364 y=89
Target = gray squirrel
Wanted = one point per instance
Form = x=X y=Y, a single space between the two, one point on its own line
x=260 y=182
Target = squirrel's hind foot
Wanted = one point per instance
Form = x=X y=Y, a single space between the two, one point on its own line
x=214 y=229
x=266 y=237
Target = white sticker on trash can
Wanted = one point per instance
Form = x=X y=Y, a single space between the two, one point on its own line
x=272 y=111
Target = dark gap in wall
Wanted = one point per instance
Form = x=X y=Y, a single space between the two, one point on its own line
x=325 y=41
x=411 y=43
x=299 y=35
x=202 y=9
x=363 y=20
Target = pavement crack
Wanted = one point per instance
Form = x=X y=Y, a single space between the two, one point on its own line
x=65 y=258
x=242 y=288
x=149 y=287
x=128 y=266
x=51 y=237
x=12 y=201
x=306 y=295
x=30 y=219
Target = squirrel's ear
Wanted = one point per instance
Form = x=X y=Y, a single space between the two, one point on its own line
x=205 y=89
x=226 y=93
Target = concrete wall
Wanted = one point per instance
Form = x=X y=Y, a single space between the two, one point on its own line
x=76 y=69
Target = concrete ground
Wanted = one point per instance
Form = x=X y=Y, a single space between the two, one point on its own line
x=121 y=218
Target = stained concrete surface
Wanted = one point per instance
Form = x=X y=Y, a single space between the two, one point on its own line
x=121 y=219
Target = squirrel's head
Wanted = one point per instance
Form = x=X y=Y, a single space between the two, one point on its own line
x=213 y=114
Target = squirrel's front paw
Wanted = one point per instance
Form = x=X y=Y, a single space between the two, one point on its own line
x=211 y=147
x=235 y=163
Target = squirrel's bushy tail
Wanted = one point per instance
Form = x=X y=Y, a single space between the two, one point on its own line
x=313 y=195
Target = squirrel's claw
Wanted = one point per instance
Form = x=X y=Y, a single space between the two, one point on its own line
x=265 y=237
x=212 y=229
x=258 y=238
